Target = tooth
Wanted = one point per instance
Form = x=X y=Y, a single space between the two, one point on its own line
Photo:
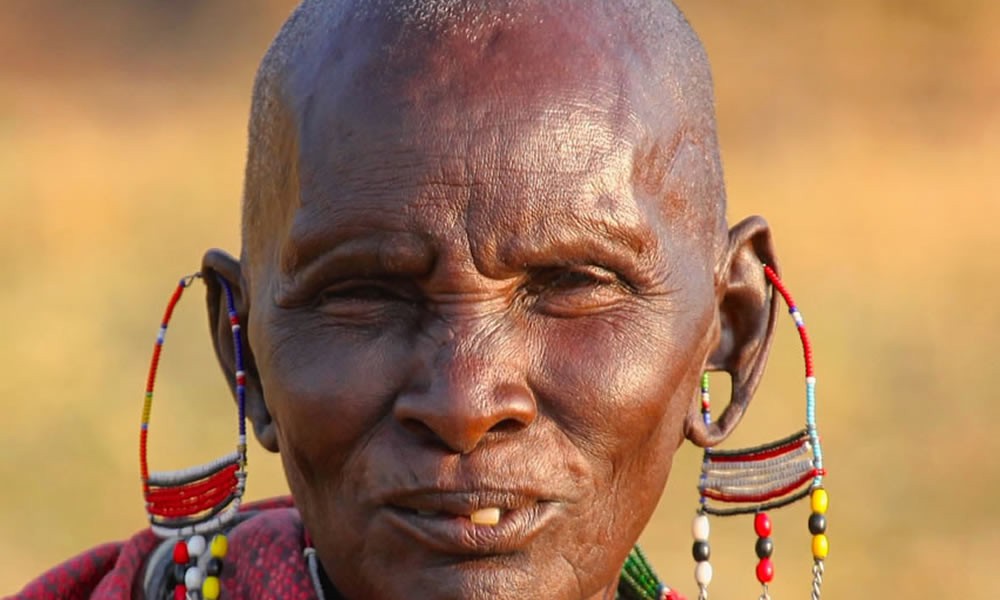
x=486 y=516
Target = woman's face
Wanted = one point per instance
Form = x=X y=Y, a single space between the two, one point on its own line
x=481 y=334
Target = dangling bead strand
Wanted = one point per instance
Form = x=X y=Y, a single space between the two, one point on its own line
x=211 y=587
x=819 y=502
x=764 y=548
x=701 y=552
x=181 y=558
x=194 y=576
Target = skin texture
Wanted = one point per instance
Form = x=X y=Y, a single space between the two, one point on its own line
x=484 y=265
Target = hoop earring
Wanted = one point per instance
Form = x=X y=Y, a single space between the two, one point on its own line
x=196 y=501
x=766 y=477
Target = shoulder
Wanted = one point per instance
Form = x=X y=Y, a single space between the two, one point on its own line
x=110 y=567
x=270 y=530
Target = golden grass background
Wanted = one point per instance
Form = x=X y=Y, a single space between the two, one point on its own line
x=867 y=131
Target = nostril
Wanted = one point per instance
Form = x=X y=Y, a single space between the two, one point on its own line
x=508 y=426
x=515 y=408
x=418 y=428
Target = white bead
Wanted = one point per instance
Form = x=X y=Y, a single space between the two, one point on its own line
x=703 y=573
x=193 y=578
x=196 y=546
x=699 y=528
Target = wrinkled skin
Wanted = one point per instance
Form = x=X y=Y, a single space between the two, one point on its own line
x=480 y=298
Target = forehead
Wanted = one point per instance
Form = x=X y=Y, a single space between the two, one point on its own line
x=544 y=123
x=378 y=88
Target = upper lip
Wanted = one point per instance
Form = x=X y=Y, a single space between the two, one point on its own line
x=463 y=502
x=439 y=519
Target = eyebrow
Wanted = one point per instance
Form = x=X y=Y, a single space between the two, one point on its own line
x=357 y=253
x=604 y=241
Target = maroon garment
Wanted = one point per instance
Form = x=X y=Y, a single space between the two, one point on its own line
x=265 y=561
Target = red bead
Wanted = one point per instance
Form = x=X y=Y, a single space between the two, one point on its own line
x=762 y=525
x=180 y=592
x=765 y=570
x=181 y=553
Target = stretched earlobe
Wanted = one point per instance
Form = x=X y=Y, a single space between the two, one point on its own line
x=747 y=312
x=219 y=263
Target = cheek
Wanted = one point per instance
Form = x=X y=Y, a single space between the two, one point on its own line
x=320 y=391
x=620 y=390
x=614 y=380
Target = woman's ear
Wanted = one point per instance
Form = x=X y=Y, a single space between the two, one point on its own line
x=747 y=311
x=217 y=265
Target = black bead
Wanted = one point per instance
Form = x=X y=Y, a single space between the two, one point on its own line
x=817 y=524
x=701 y=551
x=764 y=547
x=178 y=573
x=214 y=567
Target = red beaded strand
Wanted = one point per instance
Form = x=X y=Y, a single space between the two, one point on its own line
x=765 y=568
x=199 y=499
x=807 y=352
x=154 y=364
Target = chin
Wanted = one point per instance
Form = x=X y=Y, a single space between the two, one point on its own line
x=504 y=577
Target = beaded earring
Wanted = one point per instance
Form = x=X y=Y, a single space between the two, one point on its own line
x=194 y=502
x=766 y=477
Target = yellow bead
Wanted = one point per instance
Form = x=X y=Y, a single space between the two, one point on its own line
x=219 y=547
x=821 y=546
x=820 y=501
x=210 y=589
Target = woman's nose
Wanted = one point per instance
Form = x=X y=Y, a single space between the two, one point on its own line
x=473 y=391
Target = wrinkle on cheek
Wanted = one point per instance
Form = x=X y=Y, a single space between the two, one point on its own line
x=574 y=572
x=356 y=470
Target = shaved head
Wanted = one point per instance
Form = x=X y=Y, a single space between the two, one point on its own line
x=485 y=264
x=368 y=55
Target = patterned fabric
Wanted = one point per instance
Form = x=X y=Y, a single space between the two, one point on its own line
x=264 y=562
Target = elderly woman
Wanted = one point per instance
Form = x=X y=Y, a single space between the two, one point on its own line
x=485 y=262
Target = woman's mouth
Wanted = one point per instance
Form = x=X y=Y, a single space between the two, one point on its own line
x=470 y=523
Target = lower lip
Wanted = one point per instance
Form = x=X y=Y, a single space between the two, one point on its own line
x=452 y=534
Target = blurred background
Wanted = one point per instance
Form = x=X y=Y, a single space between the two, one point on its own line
x=866 y=131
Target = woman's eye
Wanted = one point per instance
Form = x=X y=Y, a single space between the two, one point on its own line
x=572 y=280
x=365 y=299
x=576 y=291
x=357 y=293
